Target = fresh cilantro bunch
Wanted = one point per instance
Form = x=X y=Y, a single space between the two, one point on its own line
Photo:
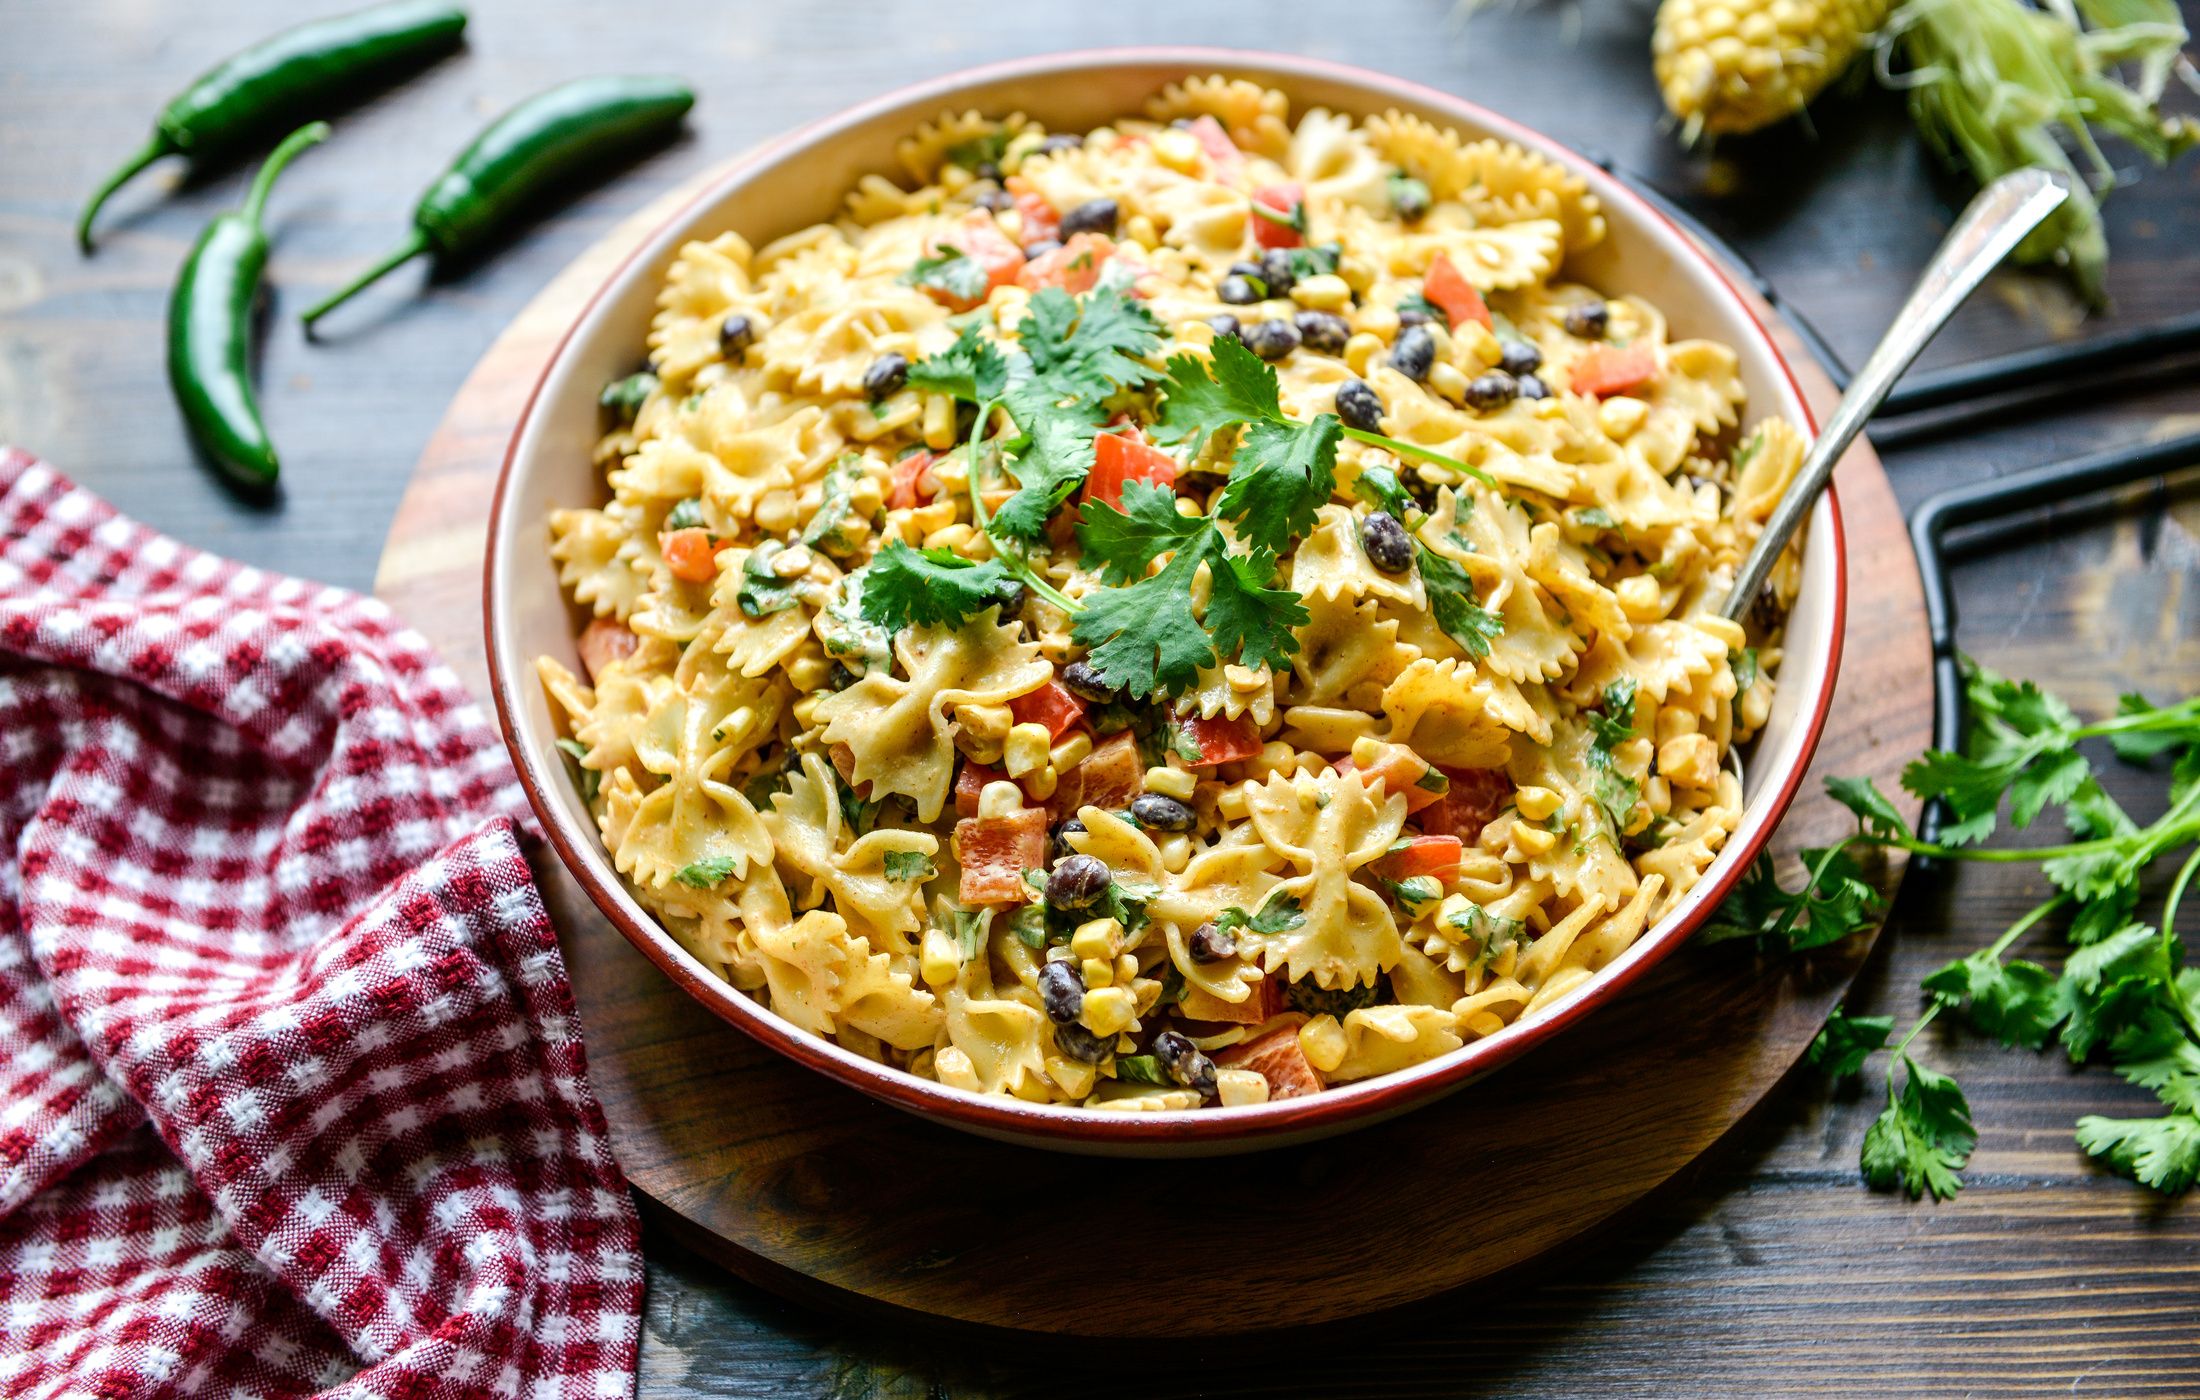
x=2122 y=996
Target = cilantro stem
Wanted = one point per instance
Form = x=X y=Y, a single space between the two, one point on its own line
x=1407 y=449
x=2173 y=717
x=1010 y=557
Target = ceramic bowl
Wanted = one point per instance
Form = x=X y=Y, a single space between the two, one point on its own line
x=799 y=180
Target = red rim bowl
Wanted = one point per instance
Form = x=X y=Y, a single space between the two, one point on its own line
x=799 y=179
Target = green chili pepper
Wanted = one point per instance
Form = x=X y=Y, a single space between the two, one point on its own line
x=210 y=329
x=296 y=74
x=529 y=152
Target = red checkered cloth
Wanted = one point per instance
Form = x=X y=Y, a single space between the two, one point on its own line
x=292 y=1096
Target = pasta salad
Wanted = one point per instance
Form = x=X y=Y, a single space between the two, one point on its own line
x=1179 y=615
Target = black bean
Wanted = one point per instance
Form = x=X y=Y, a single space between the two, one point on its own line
x=1519 y=357
x=1247 y=269
x=1360 y=406
x=1093 y=216
x=1184 y=1061
x=1413 y=354
x=1040 y=247
x=887 y=373
x=1062 y=991
x=1409 y=198
x=1083 y=680
x=1159 y=812
x=1062 y=833
x=1077 y=881
x=1272 y=340
x=1532 y=387
x=986 y=170
x=1277 y=271
x=1590 y=320
x=1388 y=546
x=1082 y=1045
x=1494 y=389
x=1325 y=331
x=1060 y=141
x=735 y=334
x=995 y=198
x=1408 y=318
x=1210 y=944
x=1226 y=327
x=1240 y=291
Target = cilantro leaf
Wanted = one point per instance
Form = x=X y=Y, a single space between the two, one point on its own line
x=1145 y=637
x=1281 y=475
x=2013 y=1002
x=1453 y=603
x=1875 y=811
x=1490 y=933
x=763 y=592
x=973 y=369
x=704 y=874
x=2022 y=742
x=1205 y=397
x=904 y=587
x=625 y=397
x=1140 y=1069
x=1379 y=486
x=1613 y=790
x=1833 y=903
x=1280 y=914
x=2163 y=1153
x=588 y=780
x=909 y=865
x=949 y=270
x=686 y=515
x=1846 y=1041
x=1923 y=1139
x=1124 y=541
x=1417 y=301
x=1249 y=617
x=1054 y=461
x=1091 y=348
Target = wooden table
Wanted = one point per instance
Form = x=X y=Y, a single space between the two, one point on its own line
x=1773 y=1270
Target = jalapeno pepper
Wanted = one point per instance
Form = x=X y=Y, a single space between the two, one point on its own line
x=210 y=329
x=296 y=74
x=526 y=154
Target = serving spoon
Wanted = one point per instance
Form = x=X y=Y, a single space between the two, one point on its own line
x=1994 y=224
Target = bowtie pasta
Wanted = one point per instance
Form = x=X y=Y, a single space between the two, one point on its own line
x=1183 y=615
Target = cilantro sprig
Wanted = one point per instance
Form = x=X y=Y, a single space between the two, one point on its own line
x=905 y=587
x=2122 y=995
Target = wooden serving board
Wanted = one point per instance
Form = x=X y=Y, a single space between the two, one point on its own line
x=811 y=1189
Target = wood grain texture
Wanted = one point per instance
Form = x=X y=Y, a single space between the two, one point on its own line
x=812 y=1189
x=1770 y=1271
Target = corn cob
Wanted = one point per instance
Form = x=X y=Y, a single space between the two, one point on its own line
x=1731 y=66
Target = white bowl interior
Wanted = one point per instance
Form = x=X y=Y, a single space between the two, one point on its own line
x=800 y=181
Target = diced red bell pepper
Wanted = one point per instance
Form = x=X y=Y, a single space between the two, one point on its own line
x=602 y=642
x=1202 y=1005
x=1222 y=153
x=1455 y=295
x=970 y=782
x=1613 y=369
x=1426 y=855
x=1108 y=778
x=1222 y=739
x=996 y=851
x=1402 y=771
x=1276 y=1057
x=1051 y=706
x=1477 y=795
x=1121 y=457
x=689 y=554
x=1287 y=203
x=908 y=477
x=1040 y=220
x=1074 y=267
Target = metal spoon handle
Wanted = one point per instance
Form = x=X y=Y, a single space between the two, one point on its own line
x=1997 y=220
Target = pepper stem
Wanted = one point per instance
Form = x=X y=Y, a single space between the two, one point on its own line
x=151 y=151
x=414 y=245
x=255 y=201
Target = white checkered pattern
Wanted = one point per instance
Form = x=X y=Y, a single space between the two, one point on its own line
x=291 y=1094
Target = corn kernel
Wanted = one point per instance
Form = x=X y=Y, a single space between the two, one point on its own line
x=939 y=422
x=1108 y=1011
x=938 y=959
x=1000 y=798
x=1322 y=1040
x=1097 y=973
x=1231 y=805
x=1178 y=150
x=954 y=1069
x=1072 y=1078
x=1657 y=793
x=1537 y=803
x=1377 y=320
x=1070 y=752
x=1640 y=598
x=1360 y=350
x=1236 y=1088
x=1323 y=292
x=1176 y=852
x=1621 y=416
x=1146 y=990
x=1040 y=785
x=1446 y=379
x=1026 y=749
x=1172 y=782
x=805 y=709
x=1097 y=938
x=1672 y=722
x=1689 y=760
x=955 y=538
x=1533 y=839
x=775 y=512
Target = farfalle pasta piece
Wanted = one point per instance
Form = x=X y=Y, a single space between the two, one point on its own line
x=1329 y=565
x=1333 y=162
x=597 y=559
x=811 y=837
x=1342 y=646
x=1328 y=828
x=900 y=729
x=708 y=281
x=1385 y=1039
x=969 y=138
x=1255 y=118
x=994 y=1044
x=1488 y=537
x=1449 y=714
